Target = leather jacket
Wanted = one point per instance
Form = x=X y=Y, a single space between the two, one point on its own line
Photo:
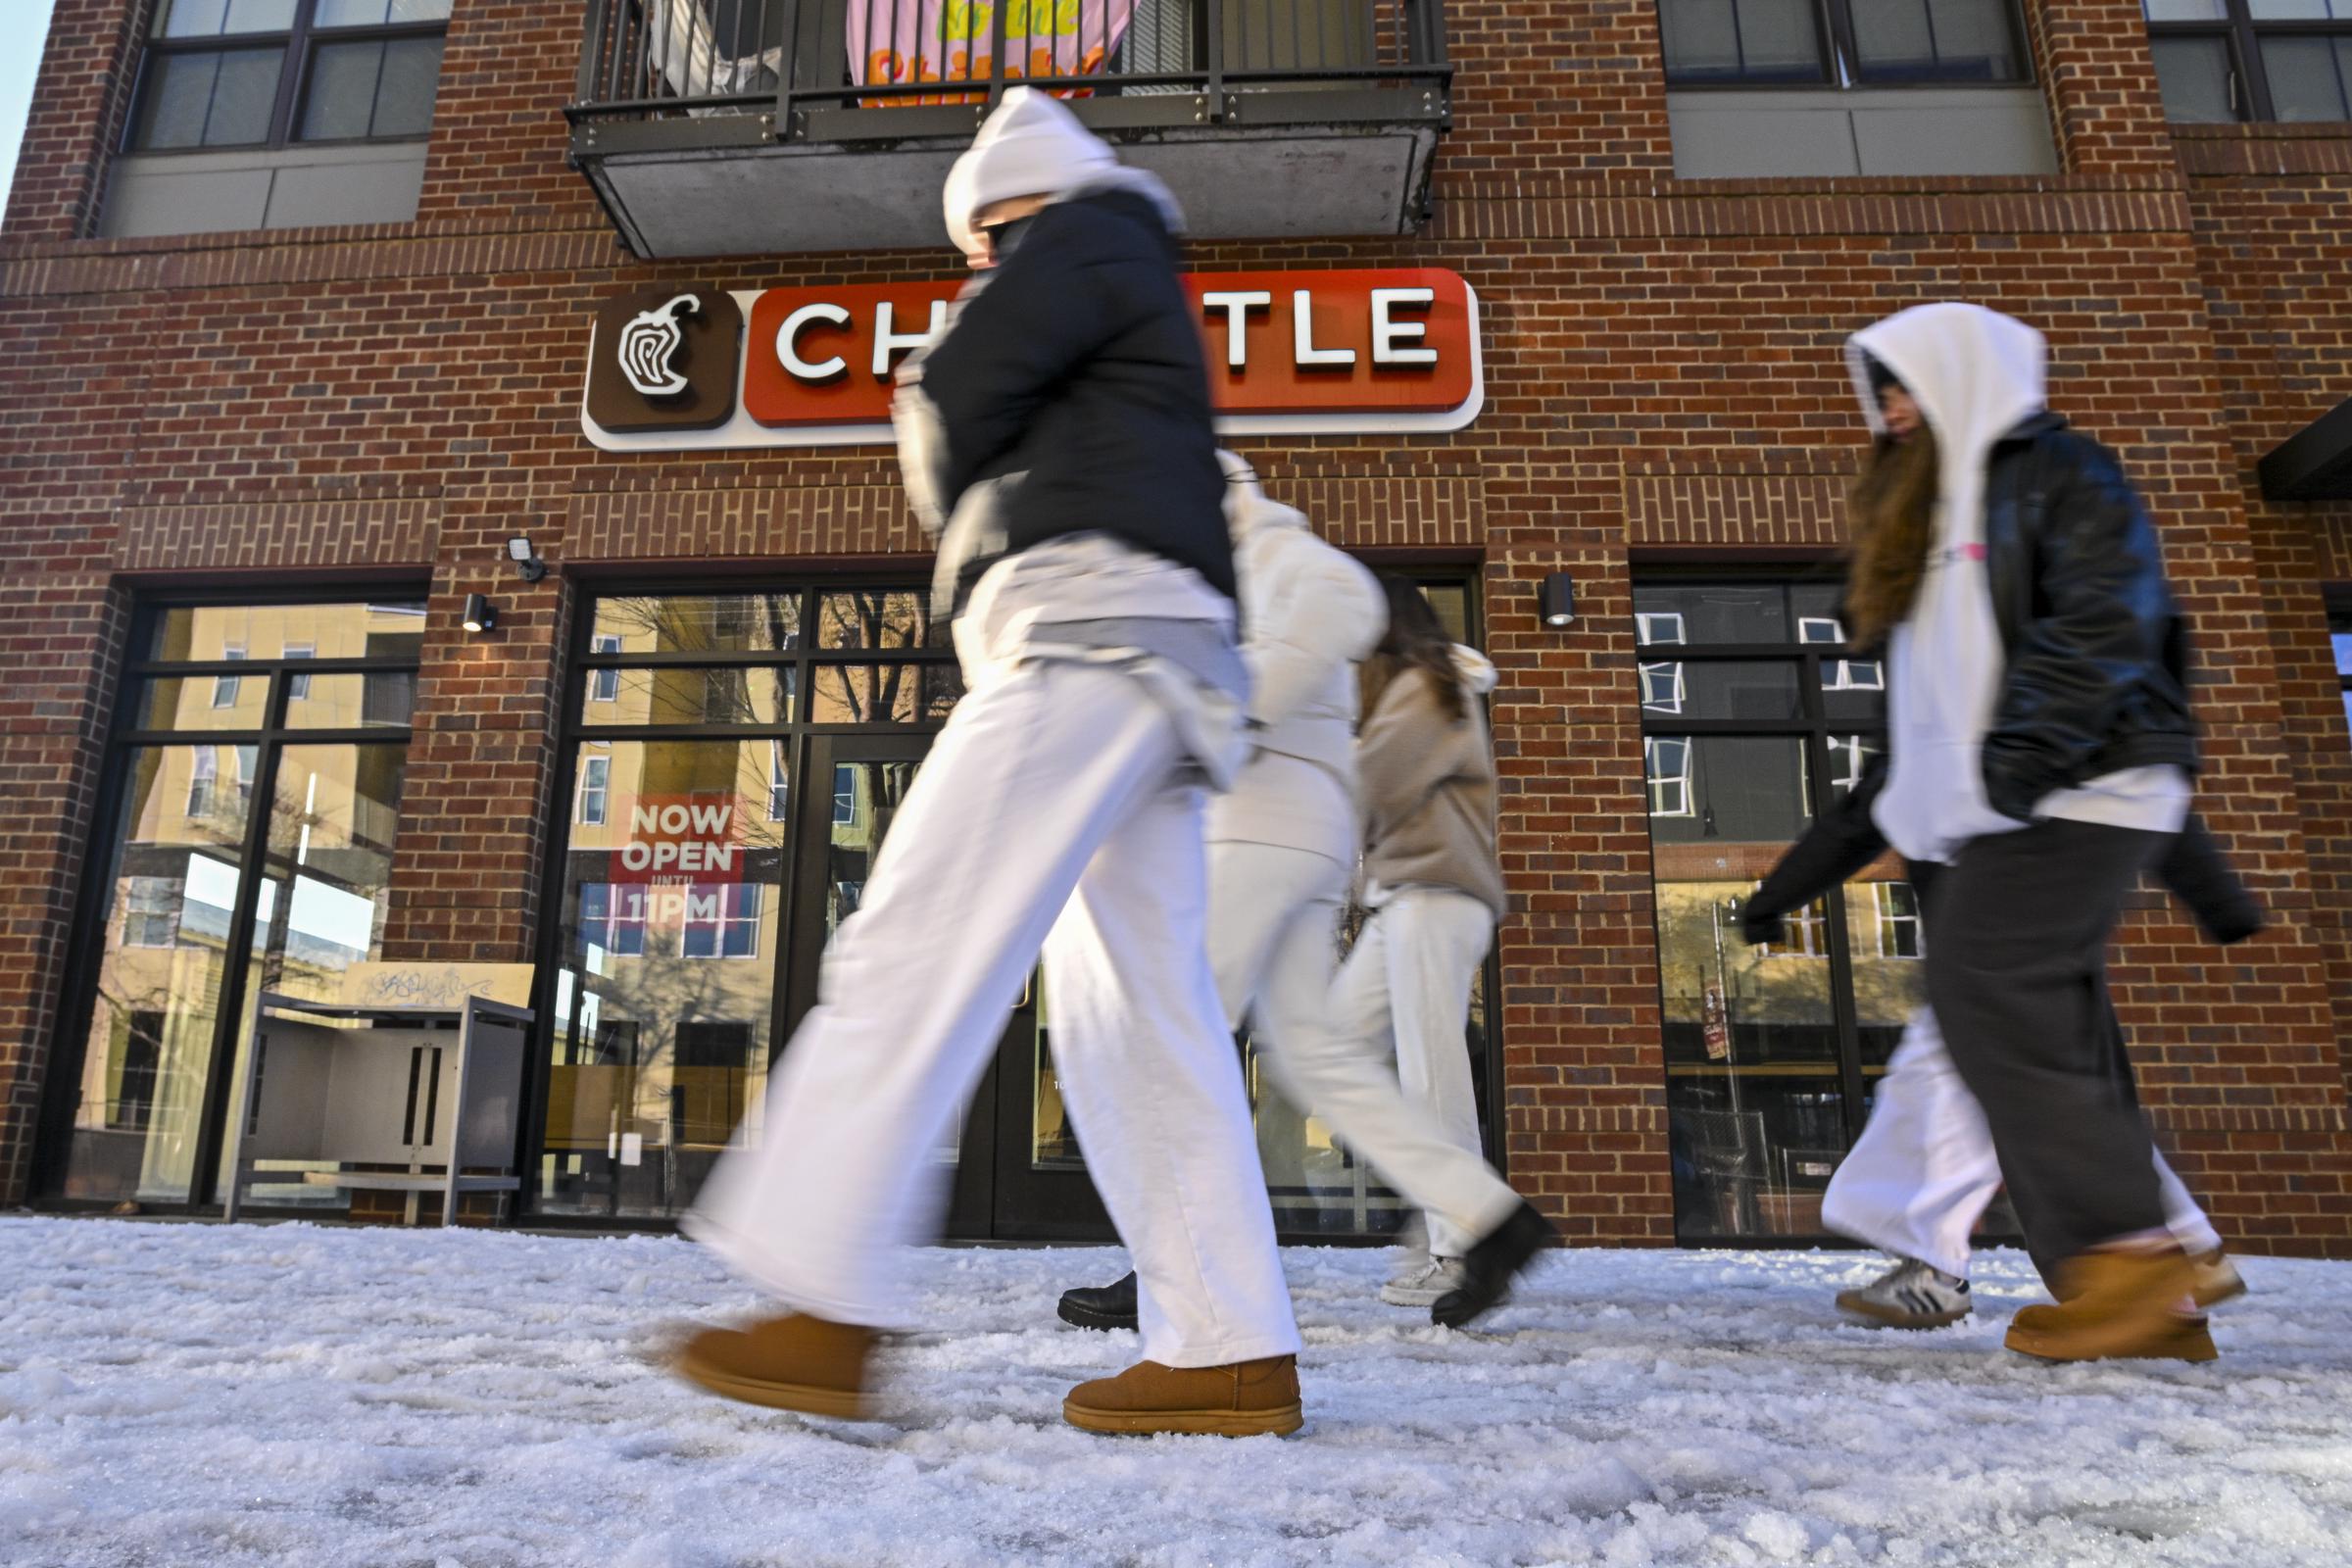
x=2097 y=660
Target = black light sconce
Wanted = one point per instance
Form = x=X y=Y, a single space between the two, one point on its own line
x=1555 y=599
x=480 y=614
x=527 y=559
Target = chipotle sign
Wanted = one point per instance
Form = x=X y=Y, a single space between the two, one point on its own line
x=1392 y=350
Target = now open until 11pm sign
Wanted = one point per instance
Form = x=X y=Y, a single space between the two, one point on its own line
x=682 y=368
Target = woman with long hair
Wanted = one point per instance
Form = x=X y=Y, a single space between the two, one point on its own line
x=2039 y=753
x=1434 y=886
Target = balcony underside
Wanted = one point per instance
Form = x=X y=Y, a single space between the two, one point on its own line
x=720 y=186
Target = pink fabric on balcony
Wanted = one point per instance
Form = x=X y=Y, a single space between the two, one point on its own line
x=955 y=41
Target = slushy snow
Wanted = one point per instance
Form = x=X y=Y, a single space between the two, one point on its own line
x=338 y=1397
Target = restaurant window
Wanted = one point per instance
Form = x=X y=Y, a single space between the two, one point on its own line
x=245 y=845
x=222 y=74
x=2219 y=60
x=1771 y=1051
x=1841 y=43
x=692 y=714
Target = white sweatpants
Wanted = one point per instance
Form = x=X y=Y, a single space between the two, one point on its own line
x=1924 y=1168
x=1405 y=988
x=1048 y=816
x=1273 y=932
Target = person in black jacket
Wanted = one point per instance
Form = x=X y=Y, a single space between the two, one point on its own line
x=1924 y=1170
x=1058 y=440
x=2043 y=752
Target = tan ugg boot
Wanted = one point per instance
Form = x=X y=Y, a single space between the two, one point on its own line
x=2217 y=1278
x=793 y=1362
x=2114 y=1304
x=1244 y=1399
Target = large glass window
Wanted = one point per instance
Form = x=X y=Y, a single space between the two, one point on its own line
x=249 y=846
x=686 y=733
x=269 y=73
x=1770 y=1051
x=2220 y=60
x=1841 y=43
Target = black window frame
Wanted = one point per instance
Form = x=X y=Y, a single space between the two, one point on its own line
x=1817 y=730
x=126 y=734
x=298 y=44
x=2249 y=78
x=1841 y=61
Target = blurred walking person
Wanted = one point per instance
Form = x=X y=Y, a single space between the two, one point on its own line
x=1433 y=887
x=2040 y=748
x=1282 y=851
x=1057 y=441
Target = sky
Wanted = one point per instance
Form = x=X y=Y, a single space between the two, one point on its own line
x=23 y=24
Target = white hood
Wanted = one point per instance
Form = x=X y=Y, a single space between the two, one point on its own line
x=1476 y=669
x=1248 y=511
x=1976 y=375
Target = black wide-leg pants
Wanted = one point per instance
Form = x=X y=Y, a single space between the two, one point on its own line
x=2016 y=972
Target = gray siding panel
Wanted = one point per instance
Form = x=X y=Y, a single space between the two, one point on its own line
x=1818 y=132
x=297 y=187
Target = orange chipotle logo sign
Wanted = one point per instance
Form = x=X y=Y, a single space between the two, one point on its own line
x=1386 y=350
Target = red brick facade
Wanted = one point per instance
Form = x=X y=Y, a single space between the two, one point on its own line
x=1663 y=384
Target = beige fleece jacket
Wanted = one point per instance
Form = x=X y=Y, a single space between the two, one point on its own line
x=1426 y=785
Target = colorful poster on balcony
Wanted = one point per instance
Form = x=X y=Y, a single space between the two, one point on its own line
x=956 y=40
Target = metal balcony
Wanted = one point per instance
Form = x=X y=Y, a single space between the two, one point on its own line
x=726 y=127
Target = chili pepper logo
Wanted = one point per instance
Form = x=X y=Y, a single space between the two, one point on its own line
x=650 y=341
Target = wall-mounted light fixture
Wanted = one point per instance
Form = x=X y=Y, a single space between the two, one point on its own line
x=527 y=559
x=1555 y=599
x=480 y=614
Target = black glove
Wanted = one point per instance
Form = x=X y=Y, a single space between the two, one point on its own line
x=1760 y=924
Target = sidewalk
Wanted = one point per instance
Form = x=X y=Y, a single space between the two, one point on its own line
x=345 y=1398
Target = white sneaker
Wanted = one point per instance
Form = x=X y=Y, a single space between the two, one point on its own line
x=1909 y=1295
x=1438 y=1277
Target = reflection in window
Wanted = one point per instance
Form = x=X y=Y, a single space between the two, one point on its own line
x=596 y=782
x=151 y=914
x=722 y=922
x=298 y=682
x=845 y=795
x=1898 y=919
x=227 y=688
x=604 y=685
x=779 y=782
x=1668 y=762
x=1808 y=933
x=203 y=774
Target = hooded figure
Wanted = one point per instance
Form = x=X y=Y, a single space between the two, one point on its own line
x=1058 y=436
x=2039 y=749
x=1282 y=848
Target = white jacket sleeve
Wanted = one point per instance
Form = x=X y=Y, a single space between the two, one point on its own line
x=1322 y=611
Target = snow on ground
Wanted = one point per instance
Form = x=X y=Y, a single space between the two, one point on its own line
x=348 y=1398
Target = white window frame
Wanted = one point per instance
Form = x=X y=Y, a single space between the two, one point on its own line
x=204 y=781
x=161 y=893
x=298 y=682
x=596 y=781
x=604 y=685
x=228 y=689
x=779 y=781
x=1809 y=928
x=844 y=802
x=1660 y=782
x=1890 y=919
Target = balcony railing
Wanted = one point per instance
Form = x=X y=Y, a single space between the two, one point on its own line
x=674 y=81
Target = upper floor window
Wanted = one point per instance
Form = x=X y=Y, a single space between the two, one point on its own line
x=274 y=73
x=2220 y=60
x=1841 y=43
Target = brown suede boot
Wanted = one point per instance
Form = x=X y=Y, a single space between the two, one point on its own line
x=793 y=1362
x=1244 y=1400
x=2114 y=1304
x=2217 y=1278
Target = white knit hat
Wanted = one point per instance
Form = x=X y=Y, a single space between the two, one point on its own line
x=1031 y=146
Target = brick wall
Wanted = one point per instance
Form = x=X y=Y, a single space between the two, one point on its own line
x=1663 y=383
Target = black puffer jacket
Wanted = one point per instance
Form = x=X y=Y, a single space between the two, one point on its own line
x=1077 y=365
x=1844 y=838
x=2097 y=678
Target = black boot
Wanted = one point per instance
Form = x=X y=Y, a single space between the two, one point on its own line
x=1491 y=1263
x=1105 y=1306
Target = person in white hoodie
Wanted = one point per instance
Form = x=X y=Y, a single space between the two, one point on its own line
x=2041 y=750
x=1282 y=851
x=1057 y=439
x=1434 y=886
